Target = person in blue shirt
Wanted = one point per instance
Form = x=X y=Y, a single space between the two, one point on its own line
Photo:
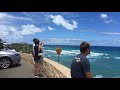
x=80 y=67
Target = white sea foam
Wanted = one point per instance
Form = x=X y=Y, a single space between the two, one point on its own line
x=76 y=52
x=53 y=51
x=106 y=57
x=70 y=53
x=106 y=54
x=64 y=52
x=92 y=60
x=96 y=54
x=117 y=57
x=98 y=76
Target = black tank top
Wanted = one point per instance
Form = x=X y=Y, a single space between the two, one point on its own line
x=36 y=50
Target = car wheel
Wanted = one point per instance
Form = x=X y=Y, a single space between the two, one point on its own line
x=5 y=63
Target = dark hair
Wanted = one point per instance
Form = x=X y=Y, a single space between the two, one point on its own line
x=36 y=41
x=84 y=46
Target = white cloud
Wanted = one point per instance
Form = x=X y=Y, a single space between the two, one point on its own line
x=59 y=20
x=50 y=28
x=8 y=16
x=26 y=14
x=103 y=16
x=73 y=40
x=106 y=18
x=111 y=33
x=7 y=31
x=12 y=34
x=3 y=31
x=30 y=29
x=15 y=33
x=62 y=41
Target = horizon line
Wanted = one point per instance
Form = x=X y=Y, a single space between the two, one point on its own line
x=69 y=45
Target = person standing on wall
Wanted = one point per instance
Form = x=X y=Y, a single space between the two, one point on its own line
x=38 y=57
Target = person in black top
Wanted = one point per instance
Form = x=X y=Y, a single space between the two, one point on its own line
x=38 y=57
x=80 y=67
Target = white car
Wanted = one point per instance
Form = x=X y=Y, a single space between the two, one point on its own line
x=9 y=57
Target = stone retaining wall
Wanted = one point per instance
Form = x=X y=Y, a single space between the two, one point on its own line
x=49 y=67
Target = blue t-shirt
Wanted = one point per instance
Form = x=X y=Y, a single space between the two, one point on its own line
x=79 y=66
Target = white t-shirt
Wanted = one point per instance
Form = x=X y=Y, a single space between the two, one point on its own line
x=33 y=49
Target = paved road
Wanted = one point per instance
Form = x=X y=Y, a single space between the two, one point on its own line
x=23 y=70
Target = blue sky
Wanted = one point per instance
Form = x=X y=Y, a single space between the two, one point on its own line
x=66 y=28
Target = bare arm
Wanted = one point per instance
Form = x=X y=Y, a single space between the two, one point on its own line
x=88 y=75
x=33 y=53
x=32 y=48
x=40 y=46
x=42 y=43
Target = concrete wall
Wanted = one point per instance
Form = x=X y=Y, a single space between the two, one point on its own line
x=50 y=68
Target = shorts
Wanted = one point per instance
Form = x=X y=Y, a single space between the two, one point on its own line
x=38 y=59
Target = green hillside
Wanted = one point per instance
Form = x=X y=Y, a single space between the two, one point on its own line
x=24 y=47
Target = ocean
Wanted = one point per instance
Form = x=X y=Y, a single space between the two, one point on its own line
x=104 y=60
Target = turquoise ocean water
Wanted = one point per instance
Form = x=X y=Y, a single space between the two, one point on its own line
x=104 y=61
